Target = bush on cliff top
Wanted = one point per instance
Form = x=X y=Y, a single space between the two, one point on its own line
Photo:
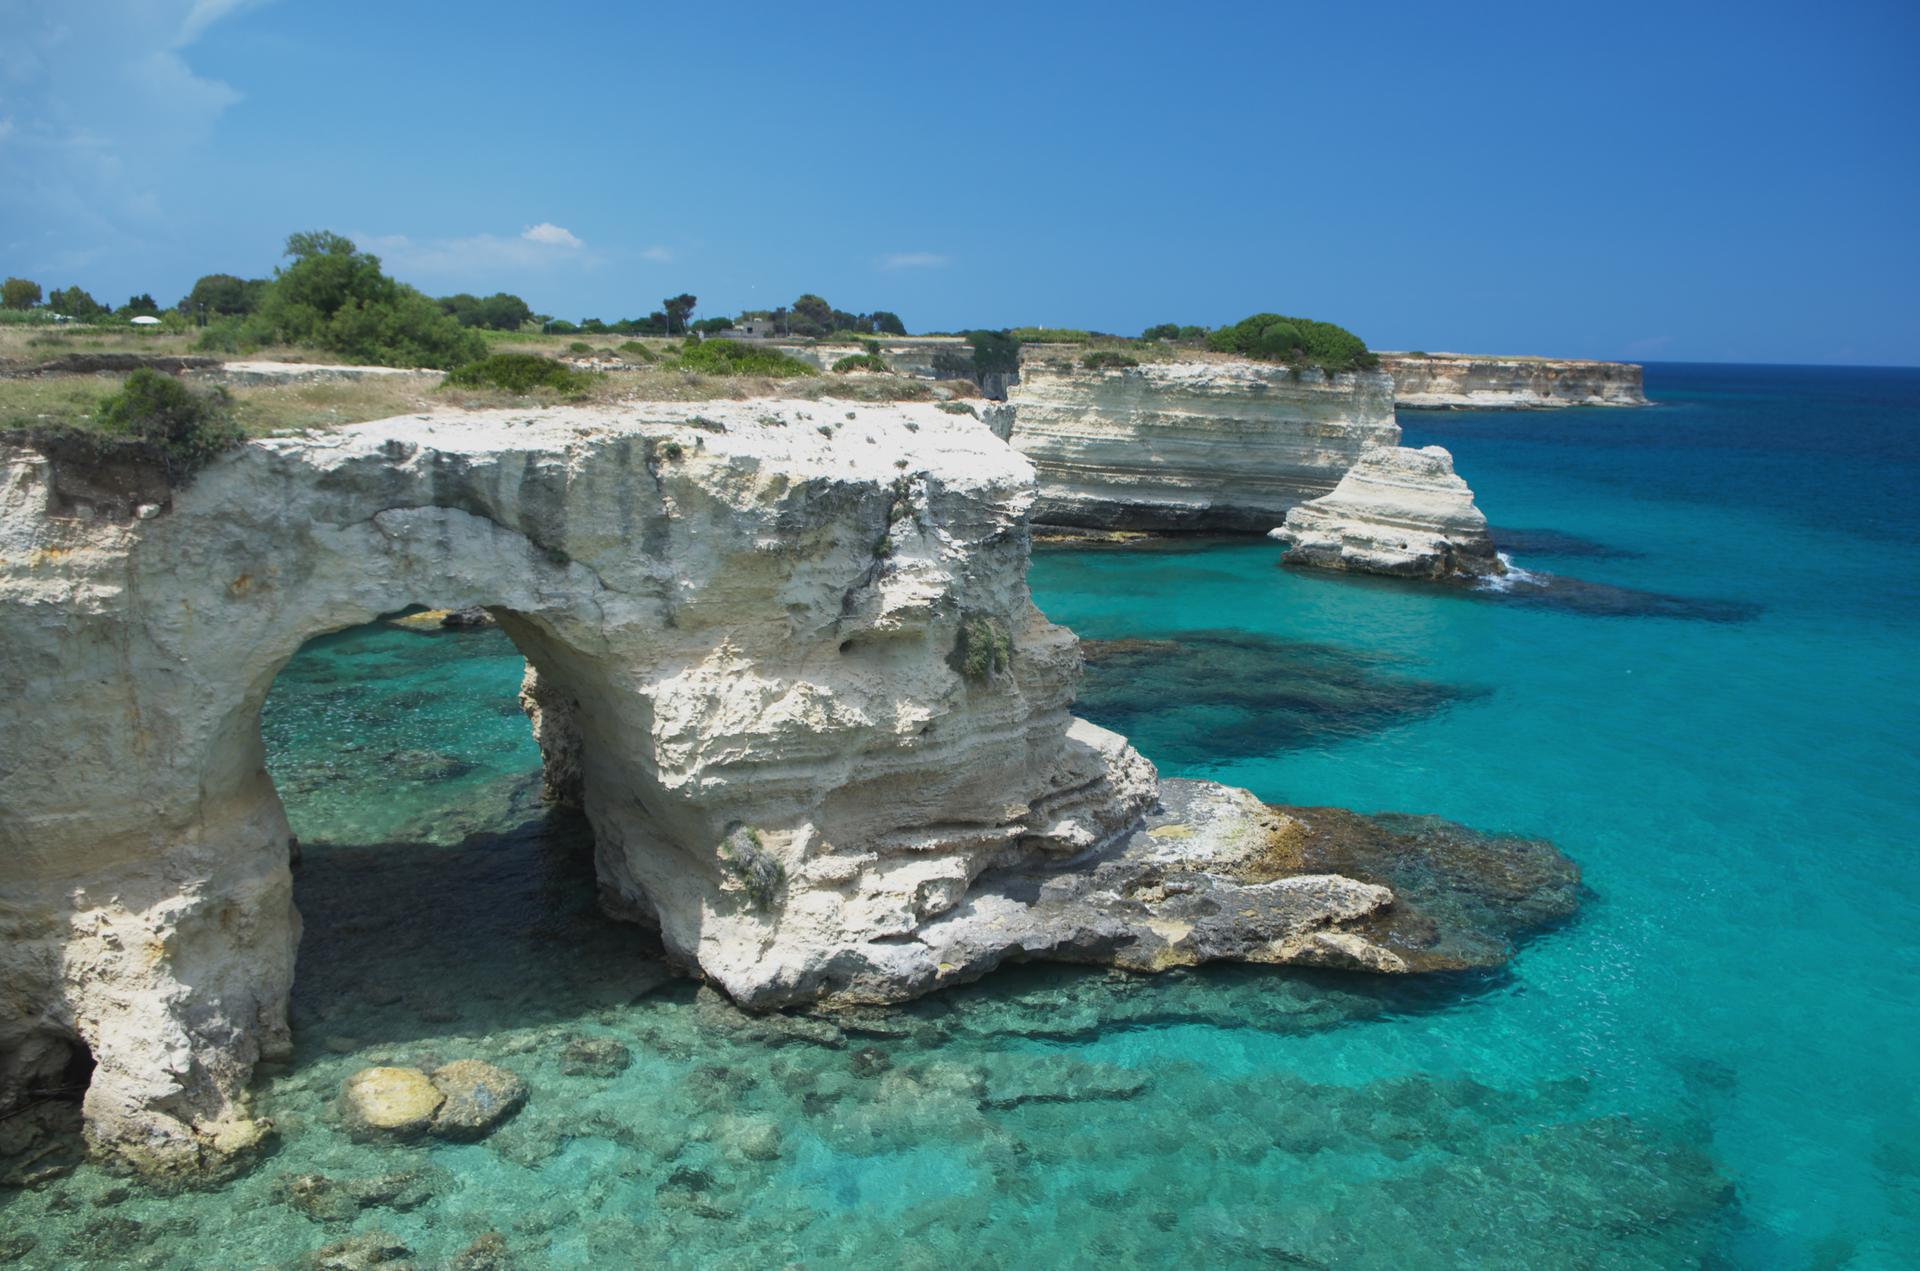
x=189 y=428
x=736 y=357
x=1108 y=359
x=520 y=373
x=1272 y=337
x=860 y=362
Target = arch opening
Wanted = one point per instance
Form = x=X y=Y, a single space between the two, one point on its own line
x=441 y=889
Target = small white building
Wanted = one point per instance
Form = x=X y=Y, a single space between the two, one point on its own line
x=145 y=320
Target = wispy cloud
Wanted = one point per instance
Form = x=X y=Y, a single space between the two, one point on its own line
x=914 y=260
x=473 y=259
x=658 y=255
x=83 y=162
x=547 y=234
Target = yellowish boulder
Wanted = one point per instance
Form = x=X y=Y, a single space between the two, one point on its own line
x=396 y=1102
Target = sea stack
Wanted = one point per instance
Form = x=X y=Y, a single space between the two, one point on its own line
x=1400 y=512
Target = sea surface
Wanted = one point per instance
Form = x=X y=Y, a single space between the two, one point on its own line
x=1705 y=696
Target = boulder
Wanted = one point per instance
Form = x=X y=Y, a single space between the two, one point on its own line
x=389 y=1102
x=476 y=1097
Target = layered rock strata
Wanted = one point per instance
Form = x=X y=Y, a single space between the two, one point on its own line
x=1400 y=512
x=1192 y=445
x=1451 y=381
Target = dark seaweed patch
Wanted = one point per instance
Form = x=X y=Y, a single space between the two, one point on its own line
x=1213 y=694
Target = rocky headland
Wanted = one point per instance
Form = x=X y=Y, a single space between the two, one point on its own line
x=1192 y=445
x=1400 y=512
x=781 y=652
x=1455 y=381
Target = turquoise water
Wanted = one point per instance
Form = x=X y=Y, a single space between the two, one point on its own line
x=1710 y=1066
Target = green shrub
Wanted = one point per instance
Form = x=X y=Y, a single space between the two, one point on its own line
x=956 y=408
x=736 y=357
x=579 y=346
x=981 y=648
x=334 y=297
x=1107 y=359
x=1297 y=341
x=860 y=362
x=187 y=427
x=744 y=854
x=520 y=373
x=635 y=349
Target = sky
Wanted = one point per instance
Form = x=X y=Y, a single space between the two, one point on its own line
x=1672 y=181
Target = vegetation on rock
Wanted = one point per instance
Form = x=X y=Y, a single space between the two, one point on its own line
x=187 y=427
x=520 y=373
x=1107 y=359
x=981 y=648
x=734 y=357
x=1272 y=337
x=860 y=362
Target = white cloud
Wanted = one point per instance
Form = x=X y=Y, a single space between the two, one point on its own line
x=478 y=260
x=79 y=163
x=551 y=235
x=658 y=255
x=913 y=260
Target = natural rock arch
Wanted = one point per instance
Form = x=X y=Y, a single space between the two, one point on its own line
x=809 y=694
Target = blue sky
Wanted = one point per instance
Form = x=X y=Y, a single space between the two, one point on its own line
x=1666 y=181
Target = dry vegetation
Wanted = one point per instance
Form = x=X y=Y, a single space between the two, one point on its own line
x=262 y=410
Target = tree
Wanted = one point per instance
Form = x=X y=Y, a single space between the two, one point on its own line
x=140 y=304
x=319 y=243
x=1296 y=341
x=498 y=312
x=888 y=323
x=335 y=297
x=1165 y=331
x=74 y=302
x=993 y=351
x=222 y=296
x=677 y=310
x=811 y=316
x=18 y=293
x=708 y=326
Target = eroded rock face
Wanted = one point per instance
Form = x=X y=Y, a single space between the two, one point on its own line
x=1400 y=512
x=1192 y=445
x=1445 y=381
x=755 y=614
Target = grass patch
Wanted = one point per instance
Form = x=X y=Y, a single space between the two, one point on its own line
x=1108 y=359
x=861 y=362
x=981 y=648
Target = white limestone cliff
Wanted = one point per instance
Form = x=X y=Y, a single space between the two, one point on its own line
x=782 y=652
x=1215 y=444
x=1453 y=381
x=1399 y=511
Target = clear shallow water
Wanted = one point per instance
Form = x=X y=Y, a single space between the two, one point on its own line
x=1712 y=1065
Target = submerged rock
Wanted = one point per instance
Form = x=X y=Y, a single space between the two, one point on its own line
x=357 y=1253
x=477 y=1097
x=389 y=1102
x=594 y=1057
x=1400 y=512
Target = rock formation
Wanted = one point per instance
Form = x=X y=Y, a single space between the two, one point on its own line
x=1191 y=445
x=1399 y=511
x=782 y=653
x=1440 y=381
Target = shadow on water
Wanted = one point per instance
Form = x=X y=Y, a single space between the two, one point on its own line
x=1212 y=694
x=406 y=941
x=1558 y=543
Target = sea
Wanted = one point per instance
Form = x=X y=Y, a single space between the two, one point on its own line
x=1697 y=679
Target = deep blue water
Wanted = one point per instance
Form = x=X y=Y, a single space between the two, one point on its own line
x=1712 y=1065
